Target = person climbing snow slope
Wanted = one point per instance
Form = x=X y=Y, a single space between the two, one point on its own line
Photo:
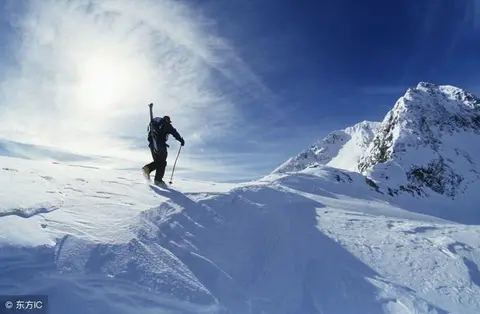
x=159 y=130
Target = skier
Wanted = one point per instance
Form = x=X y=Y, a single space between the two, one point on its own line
x=158 y=131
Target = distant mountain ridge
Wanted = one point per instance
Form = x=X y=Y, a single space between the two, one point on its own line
x=427 y=143
x=341 y=149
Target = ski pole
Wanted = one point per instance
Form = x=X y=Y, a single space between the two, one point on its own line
x=178 y=154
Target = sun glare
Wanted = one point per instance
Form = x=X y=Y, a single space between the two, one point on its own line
x=85 y=70
x=103 y=82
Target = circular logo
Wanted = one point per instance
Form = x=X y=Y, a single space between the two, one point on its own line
x=8 y=304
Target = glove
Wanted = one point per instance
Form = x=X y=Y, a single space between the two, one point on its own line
x=182 y=142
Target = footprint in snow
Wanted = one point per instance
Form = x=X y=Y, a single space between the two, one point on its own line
x=10 y=169
x=115 y=182
x=126 y=180
x=109 y=193
x=105 y=195
x=69 y=187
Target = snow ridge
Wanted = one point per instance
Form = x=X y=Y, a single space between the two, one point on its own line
x=321 y=240
x=340 y=148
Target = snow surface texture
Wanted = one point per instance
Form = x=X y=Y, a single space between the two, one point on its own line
x=319 y=239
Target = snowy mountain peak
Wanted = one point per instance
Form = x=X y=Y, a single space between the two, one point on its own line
x=457 y=98
x=429 y=139
x=341 y=149
x=427 y=143
x=365 y=127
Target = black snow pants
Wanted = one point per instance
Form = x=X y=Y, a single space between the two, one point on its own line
x=159 y=162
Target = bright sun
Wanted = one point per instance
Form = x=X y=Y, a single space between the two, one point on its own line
x=103 y=82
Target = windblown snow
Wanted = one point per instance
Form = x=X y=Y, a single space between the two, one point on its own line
x=327 y=232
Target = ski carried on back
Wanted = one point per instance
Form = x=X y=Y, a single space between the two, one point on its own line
x=159 y=130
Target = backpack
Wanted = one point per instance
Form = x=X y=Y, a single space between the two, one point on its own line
x=155 y=132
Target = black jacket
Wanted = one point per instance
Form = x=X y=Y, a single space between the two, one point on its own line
x=158 y=133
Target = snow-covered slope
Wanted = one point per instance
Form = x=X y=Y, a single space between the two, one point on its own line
x=341 y=149
x=377 y=218
x=427 y=146
x=321 y=240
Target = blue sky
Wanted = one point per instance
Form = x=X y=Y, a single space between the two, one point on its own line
x=247 y=83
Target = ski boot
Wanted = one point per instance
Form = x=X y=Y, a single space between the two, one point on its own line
x=146 y=173
x=159 y=183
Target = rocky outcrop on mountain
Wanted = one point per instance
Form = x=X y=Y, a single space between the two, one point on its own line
x=428 y=143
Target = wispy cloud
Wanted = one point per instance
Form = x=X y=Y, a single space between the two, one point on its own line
x=86 y=71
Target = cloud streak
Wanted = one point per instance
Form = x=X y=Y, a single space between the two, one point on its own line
x=86 y=70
